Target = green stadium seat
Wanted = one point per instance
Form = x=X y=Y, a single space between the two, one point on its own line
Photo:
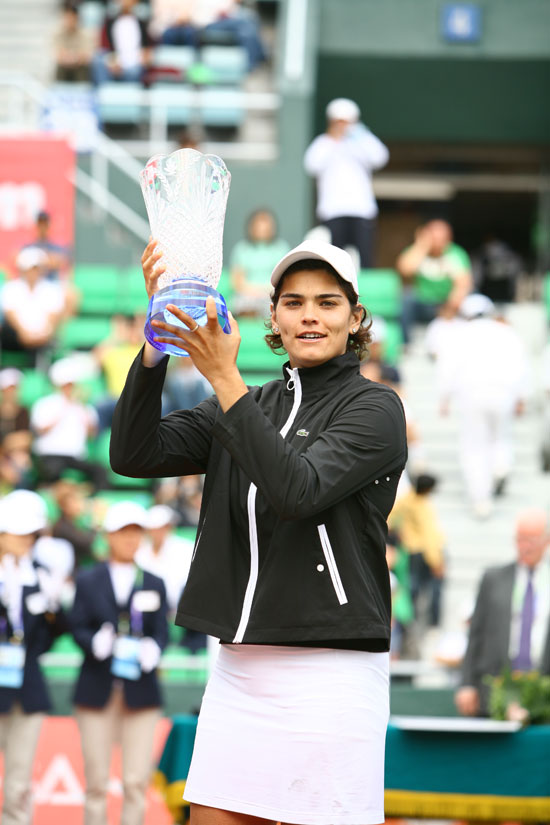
x=33 y=386
x=82 y=333
x=132 y=297
x=99 y=288
x=222 y=107
x=177 y=58
x=380 y=292
x=172 y=101
x=254 y=354
x=98 y=450
x=393 y=342
x=227 y=64
x=119 y=102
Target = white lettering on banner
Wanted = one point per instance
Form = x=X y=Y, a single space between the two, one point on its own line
x=20 y=203
x=59 y=784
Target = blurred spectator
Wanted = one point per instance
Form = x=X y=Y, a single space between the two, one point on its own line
x=14 y=417
x=545 y=444
x=73 y=48
x=125 y=51
x=496 y=271
x=436 y=273
x=119 y=621
x=62 y=425
x=510 y=626
x=58 y=263
x=375 y=366
x=184 y=495
x=415 y=520
x=72 y=523
x=16 y=462
x=343 y=160
x=185 y=386
x=486 y=375
x=164 y=554
x=115 y=355
x=252 y=262
x=29 y=620
x=188 y=22
x=402 y=606
x=32 y=306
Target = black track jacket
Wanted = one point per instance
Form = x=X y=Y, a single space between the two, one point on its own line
x=301 y=475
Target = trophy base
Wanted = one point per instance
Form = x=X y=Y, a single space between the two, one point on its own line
x=190 y=296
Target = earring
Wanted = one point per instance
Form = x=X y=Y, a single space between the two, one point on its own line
x=354 y=330
x=275 y=330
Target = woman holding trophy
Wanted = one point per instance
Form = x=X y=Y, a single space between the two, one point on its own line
x=289 y=568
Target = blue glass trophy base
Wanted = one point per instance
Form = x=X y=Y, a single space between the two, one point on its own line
x=190 y=296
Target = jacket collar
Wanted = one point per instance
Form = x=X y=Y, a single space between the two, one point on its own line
x=336 y=370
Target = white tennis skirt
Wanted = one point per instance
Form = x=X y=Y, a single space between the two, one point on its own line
x=293 y=734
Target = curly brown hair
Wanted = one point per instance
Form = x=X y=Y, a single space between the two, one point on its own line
x=357 y=343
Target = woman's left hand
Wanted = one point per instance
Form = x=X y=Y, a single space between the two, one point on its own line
x=212 y=351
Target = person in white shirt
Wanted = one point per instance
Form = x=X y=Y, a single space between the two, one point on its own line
x=342 y=160
x=164 y=554
x=62 y=425
x=31 y=305
x=486 y=374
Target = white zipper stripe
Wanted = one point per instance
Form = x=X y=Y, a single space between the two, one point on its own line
x=331 y=563
x=252 y=527
x=253 y=577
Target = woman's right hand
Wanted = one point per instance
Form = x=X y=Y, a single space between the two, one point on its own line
x=152 y=270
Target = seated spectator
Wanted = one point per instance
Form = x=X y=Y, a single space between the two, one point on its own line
x=73 y=48
x=31 y=305
x=59 y=260
x=164 y=554
x=30 y=619
x=115 y=356
x=436 y=273
x=184 y=495
x=375 y=365
x=14 y=417
x=184 y=387
x=252 y=261
x=62 y=426
x=16 y=471
x=186 y=22
x=119 y=621
x=415 y=520
x=125 y=50
x=72 y=523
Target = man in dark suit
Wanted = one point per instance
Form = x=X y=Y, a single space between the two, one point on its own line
x=119 y=621
x=29 y=621
x=511 y=622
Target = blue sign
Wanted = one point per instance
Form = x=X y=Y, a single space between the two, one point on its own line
x=461 y=22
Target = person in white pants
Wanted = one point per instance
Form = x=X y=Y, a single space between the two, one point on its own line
x=485 y=373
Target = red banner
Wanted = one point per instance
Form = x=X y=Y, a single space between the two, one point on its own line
x=58 y=777
x=36 y=173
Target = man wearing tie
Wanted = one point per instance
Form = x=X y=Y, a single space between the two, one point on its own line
x=119 y=621
x=511 y=621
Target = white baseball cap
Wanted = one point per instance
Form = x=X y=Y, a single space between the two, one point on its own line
x=30 y=257
x=342 y=108
x=10 y=377
x=22 y=513
x=476 y=306
x=122 y=514
x=338 y=258
x=159 y=516
x=65 y=371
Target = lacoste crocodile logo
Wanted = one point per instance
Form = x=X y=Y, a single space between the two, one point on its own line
x=303 y=433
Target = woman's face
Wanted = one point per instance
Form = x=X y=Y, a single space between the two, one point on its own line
x=262 y=227
x=314 y=318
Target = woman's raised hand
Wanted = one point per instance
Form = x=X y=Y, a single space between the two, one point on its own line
x=152 y=270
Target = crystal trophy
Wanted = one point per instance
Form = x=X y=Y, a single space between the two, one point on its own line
x=185 y=195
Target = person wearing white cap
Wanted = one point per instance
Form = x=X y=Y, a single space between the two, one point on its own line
x=163 y=553
x=343 y=160
x=484 y=371
x=31 y=305
x=119 y=621
x=289 y=569
x=30 y=619
x=62 y=425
